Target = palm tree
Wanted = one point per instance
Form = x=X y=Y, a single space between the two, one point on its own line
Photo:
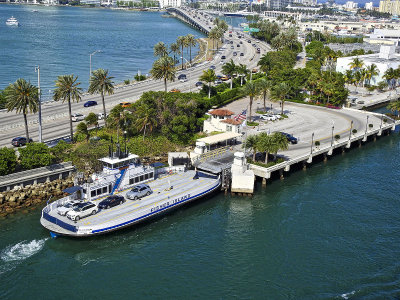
x=356 y=64
x=190 y=42
x=209 y=77
x=349 y=77
x=68 y=89
x=160 y=49
x=101 y=83
x=146 y=119
x=181 y=41
x=265 y=144
x=174 y=47
x=390 y=76
x=372 y=70
x=394 y=106
x=251 y=142
x=250 y=89
x=280 y=142
x=22 y=96
x=229 y=69
x=279 y=93
x=213 y=35
x=164 y=68
x=242 y=71
x=92 y=119
x=264 y=87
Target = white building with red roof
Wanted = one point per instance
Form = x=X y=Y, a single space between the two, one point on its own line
x=221 y=120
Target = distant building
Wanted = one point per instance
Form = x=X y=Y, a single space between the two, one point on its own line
x=91 y=2
x=385 y=36
x=369 y=5
x=278 y=4
x=351 y=5
x=170 y=3
x=385 y=59
x=390 y=6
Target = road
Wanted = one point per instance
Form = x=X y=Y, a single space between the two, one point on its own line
x=55 y=120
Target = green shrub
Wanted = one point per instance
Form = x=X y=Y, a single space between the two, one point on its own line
x=317 y=143
x=8 y=161
x=337 y=136
x=252 y=124
x=354 y=131
x=35 y=155
x=127 y=81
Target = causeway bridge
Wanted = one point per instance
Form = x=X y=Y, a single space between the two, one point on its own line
x=192 y=18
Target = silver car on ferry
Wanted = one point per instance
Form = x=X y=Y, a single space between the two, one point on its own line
x=139 y=191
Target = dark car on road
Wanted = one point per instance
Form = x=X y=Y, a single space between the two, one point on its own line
x=241 y=54
x=20 y=141
x=111 y=201
x=90 y=103
x=291 y=139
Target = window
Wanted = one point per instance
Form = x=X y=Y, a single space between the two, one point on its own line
x=141 y=177
x=131 y=181
x=146 y=176
x=151 y=175
x=104 y=190
x=93 y=193
x=228 y=128
x=84 y=191
x=110 y=188
x=137 y=179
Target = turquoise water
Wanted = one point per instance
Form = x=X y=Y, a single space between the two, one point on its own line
x=60 y=40
x=330 y=232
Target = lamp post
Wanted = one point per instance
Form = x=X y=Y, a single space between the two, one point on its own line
x=351 y=127
x=333 y=127
x=90 y=64
x=126 y=153
x=37 y=69
x=312 y=141
x=190 y=66
x=366 y=125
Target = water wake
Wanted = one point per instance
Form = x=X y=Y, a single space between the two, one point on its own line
x=22 y=250
x=348 y=295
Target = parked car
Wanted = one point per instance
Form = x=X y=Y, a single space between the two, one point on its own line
x=20 y=141
x=139 y=191
x=77 y=117
x=69 y=205
x=234 y=53
x=212 y=67
x=182 y=78
x=232 y=47
x=241 y=54
x=82 y=210
x=223 y=57
x=125 y=104
x=100 y=116
x=269 y=117
x=199 y=84
x=240 y=42
x=218 y=81
x=90 y=103
x=249 y=41
x=111 y=201
x=175 y=91
x=291 y=139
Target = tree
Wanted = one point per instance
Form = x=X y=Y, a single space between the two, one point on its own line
x=229 y=69
x=394 y=106
x=92 y=119
x=174 y=47
x=22 y=97
x=68 y=89
x=279 y=93
x=181 y=42
x=145 y=119
x=264 y=87
x=8 y=161
x=35 y=155
x=164 y=68
x=101 y=83
x=356 y=64
x=209 y=77
x=371 y=71
x=160 y=49
x=251 y=142
x=280 y=142
x=82 y=129
x=250 y=89
x=190 y=42
x=390 y=76
x=265 y=144
x=213 y=35
x=242 y=71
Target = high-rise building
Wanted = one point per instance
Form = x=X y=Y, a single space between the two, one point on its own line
x=369 y=5
x=278 y=4
x=390 y=6
x=170 y=3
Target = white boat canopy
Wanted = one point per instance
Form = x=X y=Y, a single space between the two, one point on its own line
x=219 y=138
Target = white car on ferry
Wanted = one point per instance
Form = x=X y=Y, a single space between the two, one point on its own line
x=82 y=210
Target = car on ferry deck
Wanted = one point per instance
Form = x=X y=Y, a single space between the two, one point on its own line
x=69 y=205
x=82 y=210
x=139 y=191
x=111 y=201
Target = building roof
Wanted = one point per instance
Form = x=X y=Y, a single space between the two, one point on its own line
x=221 y=112
x=222 y=137
x=232 y=121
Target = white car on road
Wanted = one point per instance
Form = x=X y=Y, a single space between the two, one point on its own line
x=82 y=210
x=77 y=117
x=269 y=117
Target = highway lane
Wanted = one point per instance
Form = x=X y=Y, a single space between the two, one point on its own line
x=55 y=116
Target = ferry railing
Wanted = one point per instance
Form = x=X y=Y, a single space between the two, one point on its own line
x=59 y=222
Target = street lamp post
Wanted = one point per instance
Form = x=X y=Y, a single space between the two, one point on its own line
x=90 y=64
x=351 y=127
x=37 y=69
x=366 y=125
x=312 y=141
x=333 y=127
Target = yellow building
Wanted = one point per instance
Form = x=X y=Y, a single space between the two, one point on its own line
x=390 y=6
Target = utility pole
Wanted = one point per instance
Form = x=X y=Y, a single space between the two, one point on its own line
x=37 y=69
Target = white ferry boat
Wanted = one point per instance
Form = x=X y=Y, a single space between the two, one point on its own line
x=12 y=22
x=122 y=172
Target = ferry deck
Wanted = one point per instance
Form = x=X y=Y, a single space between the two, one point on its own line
x=168 y=192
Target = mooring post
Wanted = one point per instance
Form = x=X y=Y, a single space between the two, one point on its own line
x=264 y=182
x=281 y=174
x=304 y=165
x=343 y=150
x=359 y=143
x=325 y=157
